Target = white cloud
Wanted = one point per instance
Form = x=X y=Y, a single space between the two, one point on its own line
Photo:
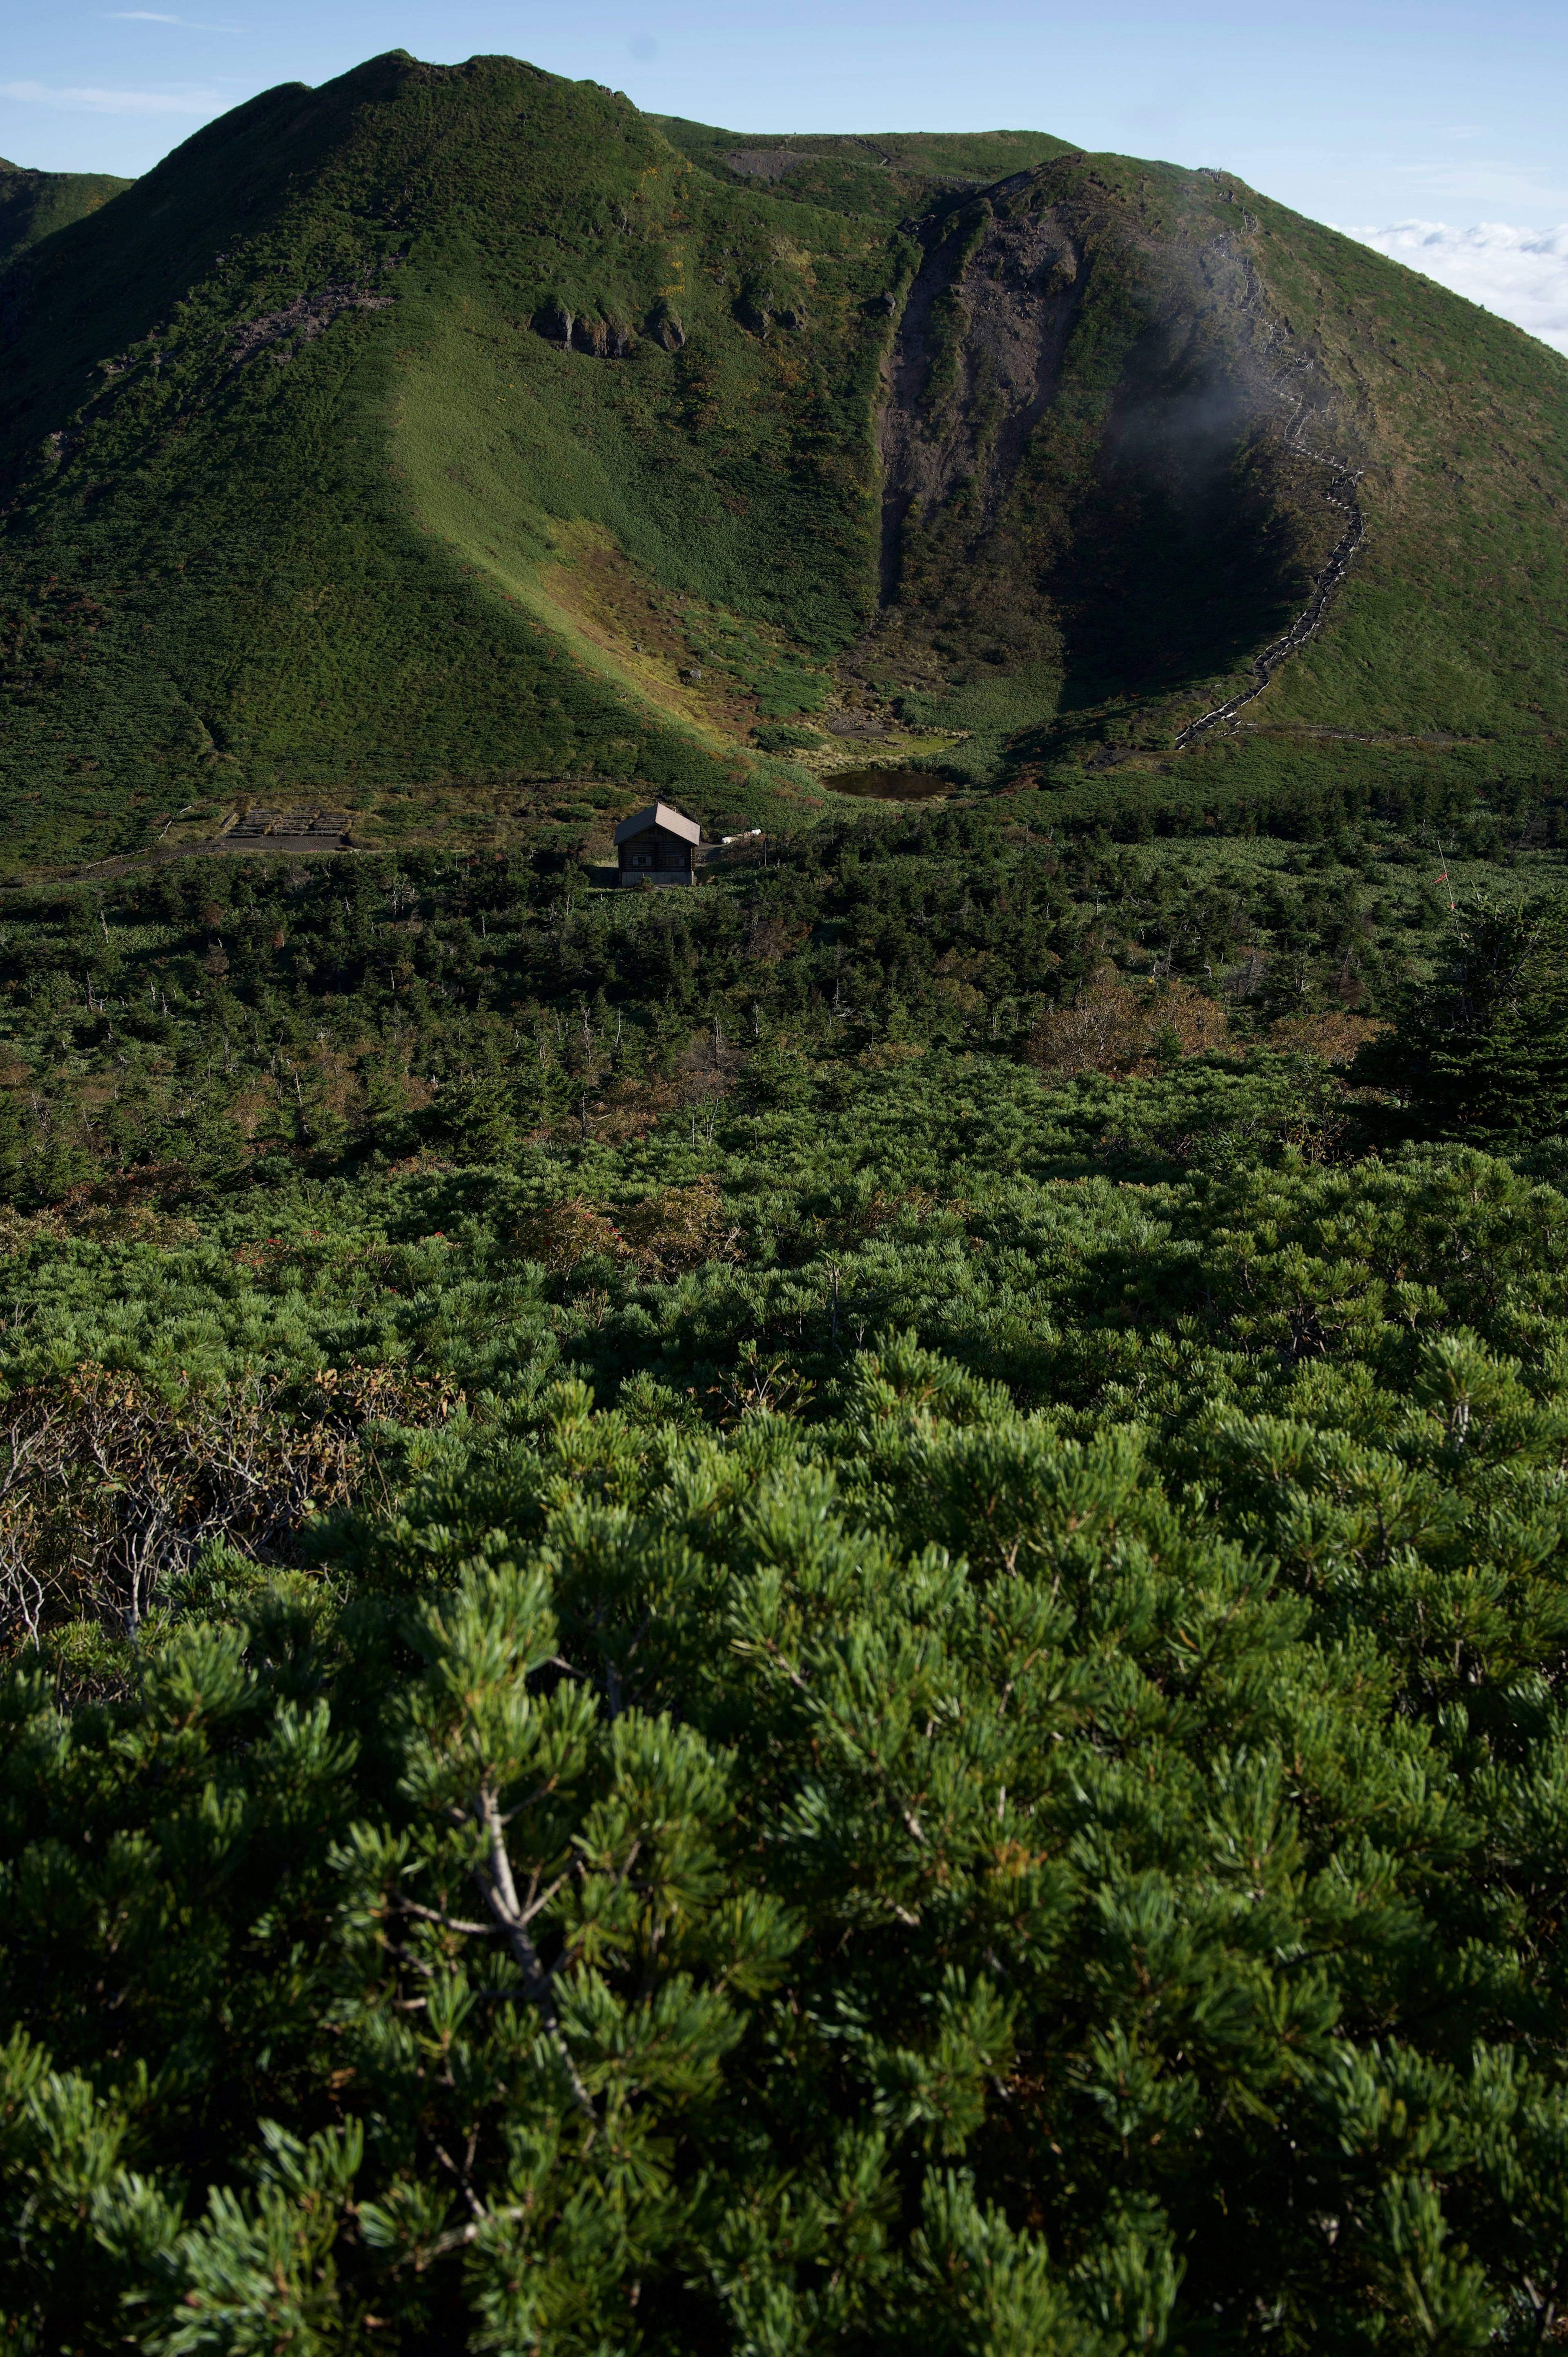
x=118 y=102
x=1519 y=274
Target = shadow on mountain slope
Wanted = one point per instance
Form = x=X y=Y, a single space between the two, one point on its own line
x=306 y=432
x=1099 y=466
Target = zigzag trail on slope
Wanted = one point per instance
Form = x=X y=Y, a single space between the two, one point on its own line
x=1340 y=494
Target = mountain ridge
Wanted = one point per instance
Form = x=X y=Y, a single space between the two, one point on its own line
x=33 y=203
x=460 y=431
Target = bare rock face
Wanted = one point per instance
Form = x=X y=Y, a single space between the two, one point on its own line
x=976 y=361
x=1093 y=434
x=595 y=336
x=764 y=163
x=601 y=338
x=605 y=339
x=306 y=318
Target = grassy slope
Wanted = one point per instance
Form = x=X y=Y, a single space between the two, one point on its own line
x=1451 y=623
x=33 y=204
x=437 y=550
x=270 y=577
x=1198 y=286
x=887 y=175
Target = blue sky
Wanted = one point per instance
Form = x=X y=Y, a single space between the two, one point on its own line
x=1368 y=115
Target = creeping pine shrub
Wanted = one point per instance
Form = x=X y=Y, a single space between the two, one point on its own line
x=927 y=1711
x=784 y=736
x=818 y=1888
x=566 y=1232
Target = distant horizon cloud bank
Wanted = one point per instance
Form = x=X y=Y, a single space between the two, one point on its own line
x=1519 y=274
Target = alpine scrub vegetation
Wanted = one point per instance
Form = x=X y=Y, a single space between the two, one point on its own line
x=706 y=1651
x=814 y=1887
x=829 y=1613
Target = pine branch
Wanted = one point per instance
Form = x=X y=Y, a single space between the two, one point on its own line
x=495 y=1879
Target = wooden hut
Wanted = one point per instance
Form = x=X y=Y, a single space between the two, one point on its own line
x=657 y=845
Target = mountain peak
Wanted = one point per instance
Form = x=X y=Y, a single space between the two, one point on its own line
x=463 y=424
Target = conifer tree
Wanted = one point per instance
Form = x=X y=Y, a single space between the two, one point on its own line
x=1482 y=1052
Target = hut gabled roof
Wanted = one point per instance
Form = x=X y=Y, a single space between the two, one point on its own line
x=658 y=814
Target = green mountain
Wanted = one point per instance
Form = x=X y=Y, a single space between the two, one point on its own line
x=828 y=1613
x=32 y=204
x=890 y=174
x=460 y=444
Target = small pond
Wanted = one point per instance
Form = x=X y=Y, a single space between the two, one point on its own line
x=889 y=785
